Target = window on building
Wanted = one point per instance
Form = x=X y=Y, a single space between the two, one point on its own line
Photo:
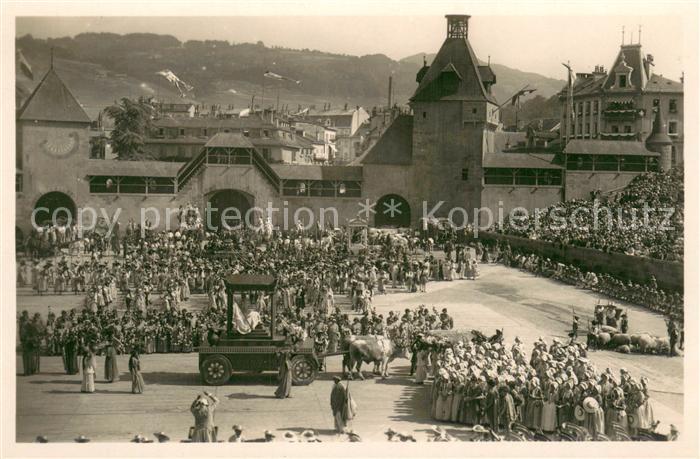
x=465 y=173
x=526 y=177
x=605 y=163
x=498 y=176
x=161 y=131
x=295 y=188
x=19 y=183
x=588 y=108
x=588 y=128
x=322 y=188
x=182 y=131
x=579 y=162
x=104 y=184
x=614 y=129
x=656 y=102
x=549 y=177
x=595 y=128
x=473 y=111
x=595 y=107
x=266 y=133
x=628 y=129
x=204 y=132
x=632 y=163
x=133 y=185
x=673 y=127
x=246 y=133
x=672 y=106
x=622 y=81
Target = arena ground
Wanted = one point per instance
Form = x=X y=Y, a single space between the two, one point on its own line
x=51 y=404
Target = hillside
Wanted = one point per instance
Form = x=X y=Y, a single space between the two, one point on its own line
x=100 y=68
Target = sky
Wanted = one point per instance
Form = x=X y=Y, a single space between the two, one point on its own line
x=536 y=44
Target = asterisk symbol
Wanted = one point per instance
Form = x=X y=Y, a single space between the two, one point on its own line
x=367 y=208
x=392 y=207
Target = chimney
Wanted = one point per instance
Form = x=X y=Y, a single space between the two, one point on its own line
x=389 y=97
x=457 y=25
x=346 y=106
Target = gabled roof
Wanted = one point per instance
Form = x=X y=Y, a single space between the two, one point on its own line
x=52 y=101
x=487 y=75
x=458 y=53
x=394 y=147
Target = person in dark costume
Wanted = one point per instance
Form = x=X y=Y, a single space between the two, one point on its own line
x=284 y=389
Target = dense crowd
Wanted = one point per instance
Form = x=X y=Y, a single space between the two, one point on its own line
x=555 y=386
x=621 y=224
x=650 y=295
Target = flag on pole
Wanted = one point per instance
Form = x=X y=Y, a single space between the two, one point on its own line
x=23 y=64
x=523 y=92
x=275 y=76
x=571 y=117
x=174 y=79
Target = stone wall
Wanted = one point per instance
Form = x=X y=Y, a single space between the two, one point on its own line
x=669 y=275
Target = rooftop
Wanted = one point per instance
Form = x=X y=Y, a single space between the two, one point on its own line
x=313 y=172
x=457 y=57
x=394 y=147
x=607 y=147
x=131 y=168
x=52 y=101
x=229 y=140
x=521 y=161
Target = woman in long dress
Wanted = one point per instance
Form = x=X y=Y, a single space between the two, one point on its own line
x=549 y=410
x=89 y=365
x=533 y=412
x=111 y=370
x=284 y=389
x=421 y=367
x=135 y=370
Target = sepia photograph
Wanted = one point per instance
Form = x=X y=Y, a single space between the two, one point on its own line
x=438 y=224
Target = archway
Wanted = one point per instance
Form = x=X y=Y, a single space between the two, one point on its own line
x=57 y=202
x=393 y=211
x=222 y=200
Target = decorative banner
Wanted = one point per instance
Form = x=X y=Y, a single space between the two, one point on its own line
x=174 y=79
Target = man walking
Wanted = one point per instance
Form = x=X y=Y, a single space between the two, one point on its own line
x=338 y=401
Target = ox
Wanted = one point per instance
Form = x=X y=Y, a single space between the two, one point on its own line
x=376 y=349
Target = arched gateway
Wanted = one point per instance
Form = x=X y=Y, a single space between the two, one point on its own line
x=54 y=205
x=220 y=201
x=393 y=211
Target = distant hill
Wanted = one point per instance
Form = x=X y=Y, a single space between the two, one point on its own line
x=103 y=67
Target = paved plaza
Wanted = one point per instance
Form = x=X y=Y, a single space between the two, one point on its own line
x=51 y=404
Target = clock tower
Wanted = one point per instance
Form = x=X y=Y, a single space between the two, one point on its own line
x=52 y=146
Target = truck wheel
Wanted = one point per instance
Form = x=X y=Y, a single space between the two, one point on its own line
x=216 y=370
x=304 y=370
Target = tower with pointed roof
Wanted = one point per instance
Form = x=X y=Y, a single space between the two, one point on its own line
x=53 y=143
x=454 y=119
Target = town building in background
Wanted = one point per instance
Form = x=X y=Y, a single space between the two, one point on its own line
x=619 y=105
x=449 y=148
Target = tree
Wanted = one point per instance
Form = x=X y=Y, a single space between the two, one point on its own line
x=132 y=122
